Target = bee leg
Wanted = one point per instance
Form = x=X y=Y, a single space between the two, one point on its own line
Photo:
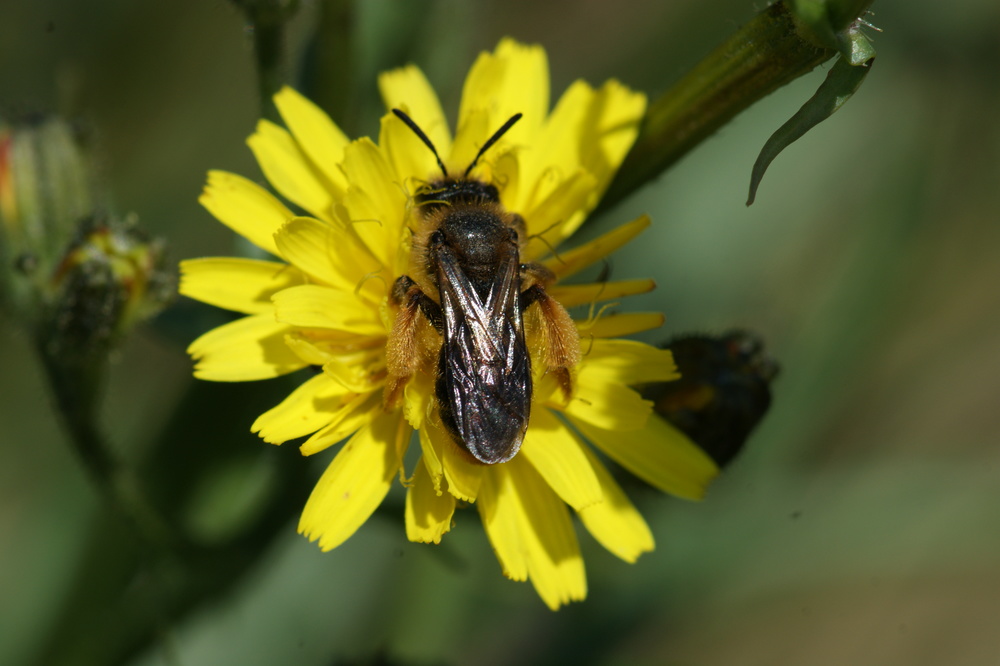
x=401 y=347
x=406 y=292
x=559 y=334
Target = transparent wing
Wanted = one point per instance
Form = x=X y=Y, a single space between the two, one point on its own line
x=484 y=376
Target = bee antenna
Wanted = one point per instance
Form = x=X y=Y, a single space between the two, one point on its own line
x=493 y=139
x=423 y=137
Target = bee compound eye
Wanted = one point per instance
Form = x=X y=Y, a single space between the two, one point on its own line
x=437 y=237
x=513 y=233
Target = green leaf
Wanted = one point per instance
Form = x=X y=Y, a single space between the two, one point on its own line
x=841 y=82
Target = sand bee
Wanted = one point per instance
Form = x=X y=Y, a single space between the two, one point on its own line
x=469 y=283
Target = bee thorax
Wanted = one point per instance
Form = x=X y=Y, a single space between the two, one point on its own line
x=477 y=237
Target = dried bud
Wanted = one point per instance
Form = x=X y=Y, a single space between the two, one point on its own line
x=723 y=393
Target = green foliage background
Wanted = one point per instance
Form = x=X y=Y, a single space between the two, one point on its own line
x=859 y=527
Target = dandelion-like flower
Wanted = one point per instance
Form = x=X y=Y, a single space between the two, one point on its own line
x=330 y=304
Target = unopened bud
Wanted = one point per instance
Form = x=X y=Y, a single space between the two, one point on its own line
x=79 y=277
x=46 y=188
x=110 y=277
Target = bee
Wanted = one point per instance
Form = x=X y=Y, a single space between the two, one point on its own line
x=723 y=393
x=469 y=283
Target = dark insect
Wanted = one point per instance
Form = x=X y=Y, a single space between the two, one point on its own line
x=723 y=393
x=466 y=252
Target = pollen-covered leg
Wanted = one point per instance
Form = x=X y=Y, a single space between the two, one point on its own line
x=559 y=335
x=401 y=353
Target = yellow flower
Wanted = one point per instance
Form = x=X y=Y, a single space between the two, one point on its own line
x=327 y=305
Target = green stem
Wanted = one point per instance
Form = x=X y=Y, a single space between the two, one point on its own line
x=333 y=79
x=765 y=54
x=75 y=379
x=125 y=595
x=845 y=12
x=267 y=19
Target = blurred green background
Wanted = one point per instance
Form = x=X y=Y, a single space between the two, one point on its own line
x=859 y=527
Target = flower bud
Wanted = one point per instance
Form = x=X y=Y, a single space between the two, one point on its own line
x=77 y=275
x=46 y=188
x=110 y=277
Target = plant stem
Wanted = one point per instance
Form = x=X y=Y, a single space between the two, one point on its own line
x=760 y=57
x=331 y=83
x=267 y=19
x=75 y=381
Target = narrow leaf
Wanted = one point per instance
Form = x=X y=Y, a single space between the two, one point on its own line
x=841 y=82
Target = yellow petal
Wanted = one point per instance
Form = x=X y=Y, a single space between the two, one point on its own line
x=315 y=306
x=245 y=207
x=355 y=483
x=407 y=88
x=462 y=475
x=566 y=263
x=543 y=533
x=474 y=130
x=611 y=125
x=557 y=149
x=527 y=88
x=559 y=214
x=306 y=350
x=503 y=521
x=618 y=325
x=307 y=409
x=289 y=170
x=431 y=460
x=629 y=362
x=512 y=79
x=593 y=129
x=316 y=134
x=364 y=355
x=376 y=201
x=243 y=285
x=418 y=398
x=588 y=130
x=428 y=512
x=358 y=373
x=606 y=405
x=615 y=522
x=326 y=253
x=555 y=453
x=658 y=453
x=353 y=412
x=584 y=294
x=244 y=350
x=412 y=161
x=505 y=173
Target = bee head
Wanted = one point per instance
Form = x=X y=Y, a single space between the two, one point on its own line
x=450 y=190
